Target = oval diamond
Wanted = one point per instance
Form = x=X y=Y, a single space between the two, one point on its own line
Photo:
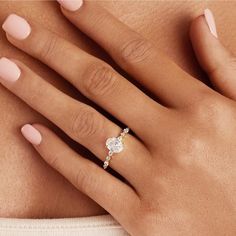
x=115 y=145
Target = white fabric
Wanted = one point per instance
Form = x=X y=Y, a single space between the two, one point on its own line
x=87 y=226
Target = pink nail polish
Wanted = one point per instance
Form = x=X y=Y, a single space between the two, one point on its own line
x=9 y=71
x=17 y=27
x=210 y=21
x=71 y=5
x=31 y=134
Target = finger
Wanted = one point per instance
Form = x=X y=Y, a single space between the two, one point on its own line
x=135 y=54
x=108 y=191
x=93 y=77
x=215 y=59
x=81 y=122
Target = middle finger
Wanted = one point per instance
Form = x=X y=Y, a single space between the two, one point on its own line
x=92 y=76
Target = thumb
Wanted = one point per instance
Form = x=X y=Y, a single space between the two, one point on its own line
x=218 y=62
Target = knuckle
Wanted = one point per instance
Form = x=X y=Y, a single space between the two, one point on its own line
x=53 y=160
x=81 y=179
x=208 y=108
x=86 y=123
x=47 y=49
x=100 y=19
x=85 y=181
x=100 y=79
x=136 y=50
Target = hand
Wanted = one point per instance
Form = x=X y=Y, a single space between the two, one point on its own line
x=179 y=166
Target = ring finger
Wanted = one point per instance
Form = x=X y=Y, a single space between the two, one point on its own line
x=81 y=122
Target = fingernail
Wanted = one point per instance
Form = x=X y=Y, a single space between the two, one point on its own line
x=9 y=71
x=210 y=21
x=71 y=5
x=31 y=134
x=17 y=27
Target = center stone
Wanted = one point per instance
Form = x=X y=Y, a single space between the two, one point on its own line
x=114 y=145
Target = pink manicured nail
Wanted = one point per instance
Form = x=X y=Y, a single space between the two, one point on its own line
x=71 y=5
x=17 y=27
x=9 y=71
x=31 y=134
x=210 y=21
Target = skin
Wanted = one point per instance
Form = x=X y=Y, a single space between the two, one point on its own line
x=182 y=187
x=70 y=202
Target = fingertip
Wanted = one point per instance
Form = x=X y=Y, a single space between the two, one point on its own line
x=198 y=27
x=70 y=5
x=45 y=132
x=210 y=20
x=9 y=71
x=17 y=27
x=203 y=27
x=213 y=56
x=31 y=134
x=207 y=47
x=39 y=127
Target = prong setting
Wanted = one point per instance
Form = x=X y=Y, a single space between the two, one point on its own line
x=115 y=145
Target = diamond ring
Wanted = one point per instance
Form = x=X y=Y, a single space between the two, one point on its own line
x=115 y=145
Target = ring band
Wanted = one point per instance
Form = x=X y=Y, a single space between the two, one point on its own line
x=115 y=145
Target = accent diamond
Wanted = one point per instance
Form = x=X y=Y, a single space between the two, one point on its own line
x=126 y=130
x=115 y=145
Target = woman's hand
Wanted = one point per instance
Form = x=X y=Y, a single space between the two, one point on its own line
x=180 y=165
